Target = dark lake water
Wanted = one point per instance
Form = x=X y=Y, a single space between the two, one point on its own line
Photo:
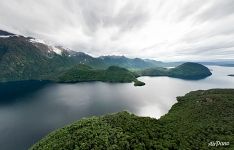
x=30 y=110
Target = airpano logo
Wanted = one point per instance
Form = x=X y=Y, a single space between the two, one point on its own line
x=218 y=143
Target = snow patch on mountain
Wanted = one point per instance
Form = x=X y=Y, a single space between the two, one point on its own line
x=32 y=40
x=8 y=36
x=51 y=48
x=56 y=50
x=5 y=36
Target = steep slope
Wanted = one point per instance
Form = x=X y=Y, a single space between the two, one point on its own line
x=83 y=58
x=27 y=58
x=22 y=60
x=197 y=121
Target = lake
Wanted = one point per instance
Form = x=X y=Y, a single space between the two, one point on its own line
x=30 y=110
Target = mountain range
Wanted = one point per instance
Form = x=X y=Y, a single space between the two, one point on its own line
x=24 y=58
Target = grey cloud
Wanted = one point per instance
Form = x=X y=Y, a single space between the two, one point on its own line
x=202 y=10
x=97 y=15
x=139 y=28
x=210 y=30
x=217 y=10
x=190 y=9
x=224 y=47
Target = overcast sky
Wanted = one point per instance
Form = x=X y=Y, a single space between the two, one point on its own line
x=170 y=30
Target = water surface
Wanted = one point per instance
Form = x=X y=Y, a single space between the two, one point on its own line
x=38 y=108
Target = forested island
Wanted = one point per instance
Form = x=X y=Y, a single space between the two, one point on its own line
x=84 y=73
x=231 y=75
x=194 y=122
x=189 y=70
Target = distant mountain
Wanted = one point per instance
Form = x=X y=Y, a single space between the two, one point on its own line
x=135 y=63
x=27 y=58
x=129 y=63
x=227 y=63
x=184 y=71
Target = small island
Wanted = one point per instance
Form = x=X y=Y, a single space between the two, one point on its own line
x=201 y=116
x=139 y=83
x=189 y=71
x=231 y=75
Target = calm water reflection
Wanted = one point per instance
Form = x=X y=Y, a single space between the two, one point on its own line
x=31 y=115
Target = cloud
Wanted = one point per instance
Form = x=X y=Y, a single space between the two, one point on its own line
x=163 y=29
x=217 y=10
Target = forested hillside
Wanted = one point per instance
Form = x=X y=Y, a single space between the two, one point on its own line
x=198 y=119
x=187 y=70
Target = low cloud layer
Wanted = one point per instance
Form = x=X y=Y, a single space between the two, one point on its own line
x=170 y=30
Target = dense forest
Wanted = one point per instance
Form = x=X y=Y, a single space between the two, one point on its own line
x=194 y=122
x=84 y=73
x=187 y=70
